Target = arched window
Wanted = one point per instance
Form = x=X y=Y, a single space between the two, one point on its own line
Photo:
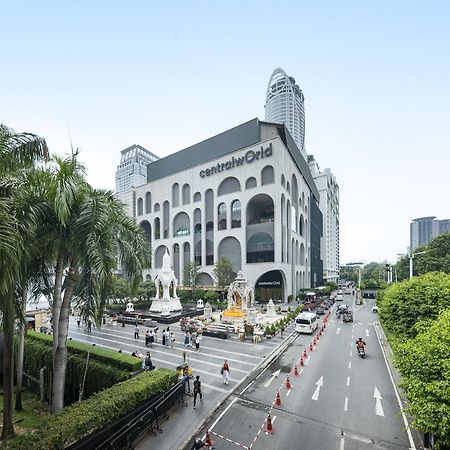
x=156 y=208
x=148 y=203
x=236 y=214
x=222 y=217
x=166 y=219
x=302 y=254
x=197 y=197
x=159 y=253
x=288 y=187
x=176 y=260
x=267 y=176
x=229 y=185
x=198 y=236
x=157 y=228
x=186 y=194
x=260 y=248
x=230 y=248
x=175 y=195
x=283 y=180
x=301 y=225
x=181 y=226
x=140 y=207
x=250 y=183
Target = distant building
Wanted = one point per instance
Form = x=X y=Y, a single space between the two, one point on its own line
x=285 y=103
x=424 y=229
x=132 y=170
x=329 y=205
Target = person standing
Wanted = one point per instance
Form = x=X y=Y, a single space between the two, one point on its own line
x=172 y=339
x=89 y=325
x=78 y=321
x=136 y=332
x=197 y=389
x=197 y=343
x=156 y=330
x=225 y=372
x=164 y=337
x=186 y=339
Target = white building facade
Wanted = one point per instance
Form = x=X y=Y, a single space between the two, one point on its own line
x=244 y=194
x=329 y=205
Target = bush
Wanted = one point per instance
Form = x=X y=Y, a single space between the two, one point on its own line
x=116 y=359
x=211 y=295
x=79 y=420
x=290 y=298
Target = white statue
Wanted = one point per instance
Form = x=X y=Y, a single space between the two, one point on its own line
x=271 y=309
x=167 y=279
x=240 y=294
x=129 y=307
x=200 y=304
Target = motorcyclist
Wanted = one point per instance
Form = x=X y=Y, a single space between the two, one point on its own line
x=360 y=344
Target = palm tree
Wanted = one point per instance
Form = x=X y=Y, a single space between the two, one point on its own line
x=18 y=152
x=87 y=229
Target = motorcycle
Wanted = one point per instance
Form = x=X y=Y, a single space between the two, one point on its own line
x=361 y=352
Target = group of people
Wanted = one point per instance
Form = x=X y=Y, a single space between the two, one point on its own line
x=153 y=336
x=192 y=339
x=147 y=360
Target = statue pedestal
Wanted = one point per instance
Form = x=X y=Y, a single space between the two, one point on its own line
x=174 y=304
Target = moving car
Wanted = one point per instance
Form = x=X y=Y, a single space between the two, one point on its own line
x=306 y=322
x=320 y=310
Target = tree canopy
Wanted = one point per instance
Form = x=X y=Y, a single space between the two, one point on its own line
x=223 y=272
x=406 y=303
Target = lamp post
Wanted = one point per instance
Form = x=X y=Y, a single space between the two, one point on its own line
x=411 y=257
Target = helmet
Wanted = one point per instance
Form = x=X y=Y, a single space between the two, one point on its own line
x=360 y=339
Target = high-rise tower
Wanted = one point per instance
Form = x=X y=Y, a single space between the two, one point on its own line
x=285 y=103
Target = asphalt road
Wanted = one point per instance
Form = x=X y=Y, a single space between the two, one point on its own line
x=338 y=402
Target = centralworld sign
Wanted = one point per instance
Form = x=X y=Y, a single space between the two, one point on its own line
x=247 y=158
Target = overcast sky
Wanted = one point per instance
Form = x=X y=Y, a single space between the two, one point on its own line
x=375 y=75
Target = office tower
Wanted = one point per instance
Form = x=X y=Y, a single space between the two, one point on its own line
x=424 y=229
x=132 y=170
x=285 y=103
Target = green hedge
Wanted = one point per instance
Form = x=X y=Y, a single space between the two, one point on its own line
x=79 y=420
x=116 y=359
x=99 y=376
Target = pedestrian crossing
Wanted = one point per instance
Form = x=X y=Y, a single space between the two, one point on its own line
x=242 y=357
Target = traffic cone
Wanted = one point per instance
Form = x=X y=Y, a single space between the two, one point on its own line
x=315 y=340
x=301 y=361
x=288 y=384
x=208 y=441
x=321 y=330
x=317 y=337
x=305 y=355
x=295 y=370
x=278 y=399
x=269 y=427
x=311 y=347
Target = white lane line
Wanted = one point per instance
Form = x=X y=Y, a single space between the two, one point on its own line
x=353 y=336
x=350 y=365
x=319 y=384
x=288 y=392
x=351 y=353
x=274 y=375
x=215 y=388
x=342 y=444
x=338 y=330
x=378 y=407
x=405 y=420
x=367 y=333
x=348 y=381
x=346 y=404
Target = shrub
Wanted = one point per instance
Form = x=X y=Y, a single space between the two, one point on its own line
x=119 y=360
x=79 y=420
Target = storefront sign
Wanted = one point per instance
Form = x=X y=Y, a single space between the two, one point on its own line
x=249 y=157
x=268 y=283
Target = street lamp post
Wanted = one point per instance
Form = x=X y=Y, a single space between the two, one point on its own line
x=411 y=257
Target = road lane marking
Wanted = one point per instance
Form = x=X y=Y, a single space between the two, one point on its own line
x=346 y=404
x=342 y=444
x=289 y=391
x=338 y=330
x=351 y=353
x=378 y=407
x=274 y=375
x=350 y=365
x=353 y=336
x=367 y=333
x=405 y=420
x=319 y=384
x=348 y=381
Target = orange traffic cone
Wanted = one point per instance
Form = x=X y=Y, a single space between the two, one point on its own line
x=311 y=347
x=305 y=355
x=301 y=361
x=295 y=370
x=317 y=337
x=321 y=330
x=287 y=384
x=269 y=427
x=208 y=441
x=278 y=399
x=315 y=340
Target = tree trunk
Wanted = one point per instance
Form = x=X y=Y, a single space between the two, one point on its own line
x=56 y=306
x=8 y=365
x=20 y=348
x=60 y=356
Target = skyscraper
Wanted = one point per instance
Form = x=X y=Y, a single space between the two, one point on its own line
x=132 y=170
x=285 y=103
x=424 y=229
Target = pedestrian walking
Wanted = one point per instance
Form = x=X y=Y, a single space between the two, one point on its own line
x=156 y=331
x=78 y=321
x=167 y=338
x=197 y=389
x=225 y=371
x=172 y=339
x=164 y=337
x=186 y=339
x=193 y=337
x=187 y=384
x=136 y=332
x=89 y=325
x=197 y=343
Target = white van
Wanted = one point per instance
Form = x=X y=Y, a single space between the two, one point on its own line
x=306 y=322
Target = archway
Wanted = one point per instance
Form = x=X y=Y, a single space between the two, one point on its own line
x=270 y=285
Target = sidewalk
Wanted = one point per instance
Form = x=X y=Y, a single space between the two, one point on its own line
x=184 y=423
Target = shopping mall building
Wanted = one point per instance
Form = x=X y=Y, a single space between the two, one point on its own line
x=246 y=194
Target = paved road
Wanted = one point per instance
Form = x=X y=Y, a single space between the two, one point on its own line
x=338 y=402
x=242 y=357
